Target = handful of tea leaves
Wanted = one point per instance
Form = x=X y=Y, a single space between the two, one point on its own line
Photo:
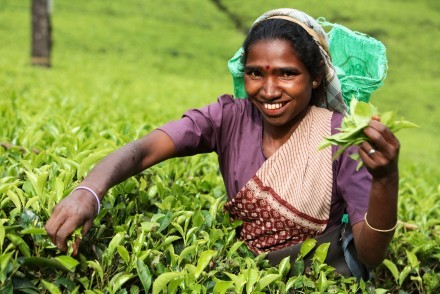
x=353 y=124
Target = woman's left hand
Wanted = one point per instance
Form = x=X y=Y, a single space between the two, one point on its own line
x=380 y=155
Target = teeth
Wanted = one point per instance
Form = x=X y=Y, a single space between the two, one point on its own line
x=273 y=106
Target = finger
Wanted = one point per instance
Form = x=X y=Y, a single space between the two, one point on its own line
x=75 y=246
x=383 y=139
x=66 y=229
x=375 y=117
x=368 y=153
x=54 y=223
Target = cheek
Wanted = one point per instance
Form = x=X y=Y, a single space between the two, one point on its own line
x=250 y=86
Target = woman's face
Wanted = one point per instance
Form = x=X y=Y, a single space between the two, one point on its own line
x=278 y=83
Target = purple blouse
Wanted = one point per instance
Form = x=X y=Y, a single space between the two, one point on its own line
x=233 y=128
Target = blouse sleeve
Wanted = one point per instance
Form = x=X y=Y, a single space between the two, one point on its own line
x=353 y=185
x=201 y=130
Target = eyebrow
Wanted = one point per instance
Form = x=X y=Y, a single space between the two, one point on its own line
x=256 y=67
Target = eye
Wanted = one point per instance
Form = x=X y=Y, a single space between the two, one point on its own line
x=253 y=73
x=287 y=74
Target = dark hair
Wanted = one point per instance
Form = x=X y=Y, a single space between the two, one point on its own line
x=303 y=45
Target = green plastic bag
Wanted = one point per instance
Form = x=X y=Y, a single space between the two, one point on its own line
x=360 y=61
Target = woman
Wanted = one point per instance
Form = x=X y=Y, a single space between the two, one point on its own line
x=283 y=189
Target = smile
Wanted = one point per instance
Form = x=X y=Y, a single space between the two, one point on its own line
x=273 y=106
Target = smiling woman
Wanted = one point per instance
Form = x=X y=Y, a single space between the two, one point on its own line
x=282 y=189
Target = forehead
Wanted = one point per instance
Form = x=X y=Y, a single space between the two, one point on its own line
x=273 y=53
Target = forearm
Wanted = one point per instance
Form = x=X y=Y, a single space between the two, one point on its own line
x=372 y=244
x=128 y=161
x=115 y=168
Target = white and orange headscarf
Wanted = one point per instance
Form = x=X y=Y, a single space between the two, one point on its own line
x=334 y=100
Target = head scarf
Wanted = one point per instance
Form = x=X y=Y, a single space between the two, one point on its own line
x=333 y=100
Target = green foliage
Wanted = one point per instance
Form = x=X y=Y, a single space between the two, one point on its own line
x=122 y=68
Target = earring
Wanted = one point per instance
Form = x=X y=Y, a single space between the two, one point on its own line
x=315 y=83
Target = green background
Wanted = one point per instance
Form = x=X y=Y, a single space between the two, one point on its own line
x=152 y=60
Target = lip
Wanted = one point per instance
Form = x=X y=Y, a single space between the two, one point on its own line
x=274 y=108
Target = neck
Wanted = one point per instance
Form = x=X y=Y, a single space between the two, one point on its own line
x=275 y=136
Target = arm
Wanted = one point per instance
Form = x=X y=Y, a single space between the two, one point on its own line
x=371 y=245
x=80 y=207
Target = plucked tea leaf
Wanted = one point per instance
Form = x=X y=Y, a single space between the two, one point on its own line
x=353 y=124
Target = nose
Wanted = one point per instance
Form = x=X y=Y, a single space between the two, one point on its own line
x=270 y=89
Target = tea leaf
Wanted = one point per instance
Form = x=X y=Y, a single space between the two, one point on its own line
x=321 y=252
x=222 y=287
x=298 y=267
x=97 y=267
x=116 y=240
x=284 y=266
x=323 y=283
x=13 y=197
x=52 y=288
x=187 y=251
x=68 y=262
x=306 y=247
x=392 y=268
x=118 y=280
x=123 y=252
x=4 y=263
x=160 y=284
x=234 y=248
x=404 y=273
x=204 y=259
x=33 y=231
x=252 y=279
x=412 y=259
x=20 y=243
x=267 y=280
x=2 y=235
x=144 y=275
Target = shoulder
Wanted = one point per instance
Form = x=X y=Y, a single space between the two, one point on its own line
x=235 y=110
x=231 y=103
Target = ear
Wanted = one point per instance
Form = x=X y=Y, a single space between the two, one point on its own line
x=316 y=82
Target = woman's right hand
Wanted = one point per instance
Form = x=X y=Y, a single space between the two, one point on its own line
x=77 y=209
x=80 y=207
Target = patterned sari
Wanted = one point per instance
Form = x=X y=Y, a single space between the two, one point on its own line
x=288 y=200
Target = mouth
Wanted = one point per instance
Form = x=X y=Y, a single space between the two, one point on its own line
x=274 y=106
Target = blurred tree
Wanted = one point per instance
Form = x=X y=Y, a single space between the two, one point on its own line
x=41 y=33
